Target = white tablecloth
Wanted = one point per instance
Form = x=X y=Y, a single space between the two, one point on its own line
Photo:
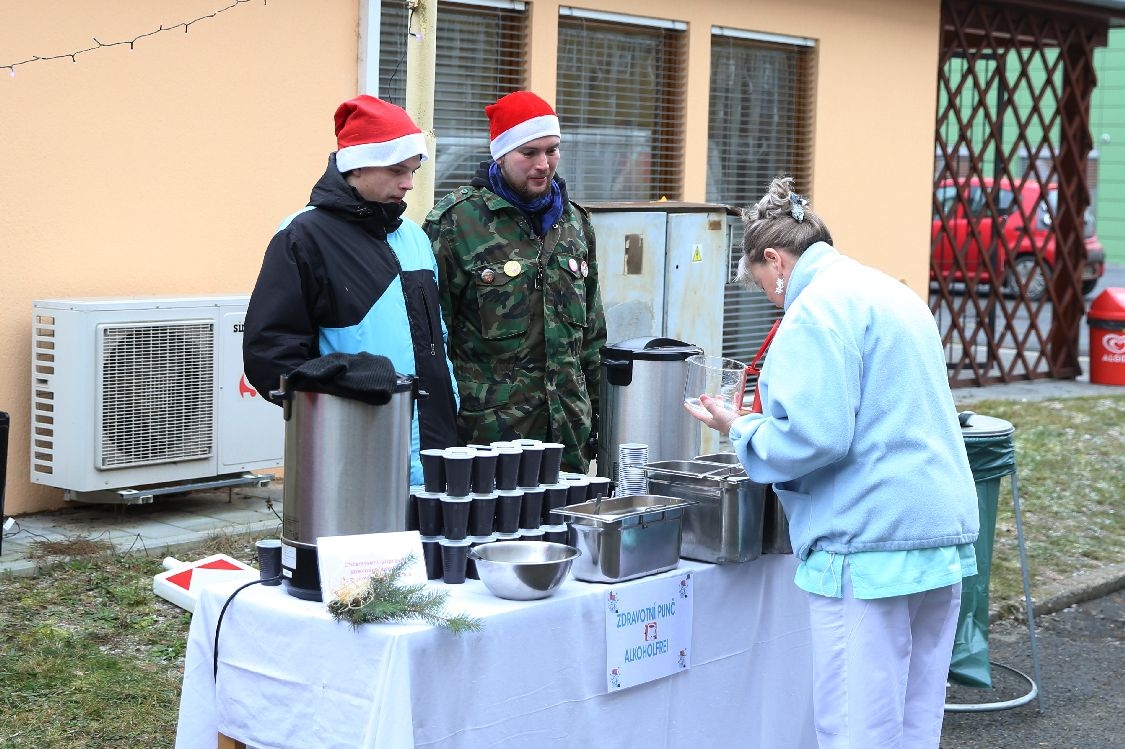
x=291 y=676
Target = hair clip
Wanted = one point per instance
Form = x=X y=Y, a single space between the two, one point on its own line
x=797 y=207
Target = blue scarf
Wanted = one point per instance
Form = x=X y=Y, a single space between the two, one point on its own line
x=544 y=212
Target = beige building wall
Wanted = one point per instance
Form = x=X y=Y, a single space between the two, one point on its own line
x=163 y=170
x=875 y=98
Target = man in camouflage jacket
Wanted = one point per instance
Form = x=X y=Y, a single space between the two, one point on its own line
x=519 y=291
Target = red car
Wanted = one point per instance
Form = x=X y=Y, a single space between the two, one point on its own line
x=971 y=225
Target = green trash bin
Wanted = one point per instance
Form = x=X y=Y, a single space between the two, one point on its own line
x=992 y=455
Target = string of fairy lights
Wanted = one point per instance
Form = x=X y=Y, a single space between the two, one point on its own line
x=98 y=44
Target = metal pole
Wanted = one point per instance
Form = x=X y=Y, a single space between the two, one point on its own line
x=421 y=75
x=5 y=422
x=1027 y=592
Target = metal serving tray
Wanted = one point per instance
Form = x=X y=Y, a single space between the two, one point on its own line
x=725 y=523
x=775 y=525
x=622 y=538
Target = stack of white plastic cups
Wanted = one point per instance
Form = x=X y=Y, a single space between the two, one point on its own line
x=631 y=459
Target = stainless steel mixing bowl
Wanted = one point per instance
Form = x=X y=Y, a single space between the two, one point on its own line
x=523 y=570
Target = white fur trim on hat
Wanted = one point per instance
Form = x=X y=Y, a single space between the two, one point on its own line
x=381 y=154
x=528 y=130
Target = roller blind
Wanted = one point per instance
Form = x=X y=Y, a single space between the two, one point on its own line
x=621 y=102
x=481 y=55
x=760 y=126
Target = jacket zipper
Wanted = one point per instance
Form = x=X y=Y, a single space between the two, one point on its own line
x=406 y=302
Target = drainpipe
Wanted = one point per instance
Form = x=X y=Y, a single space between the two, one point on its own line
x=5 y=421
x=421 y=77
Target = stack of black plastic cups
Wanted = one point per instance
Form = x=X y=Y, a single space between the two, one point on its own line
x=505 y=491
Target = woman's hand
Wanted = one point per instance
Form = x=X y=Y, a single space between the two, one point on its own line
x=714 y=413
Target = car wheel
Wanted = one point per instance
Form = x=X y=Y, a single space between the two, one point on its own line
x=1088 y=286
x=1025 y=273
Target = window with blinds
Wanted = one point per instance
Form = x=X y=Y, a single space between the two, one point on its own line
x=481 y=56
x=761 y=126
x=620 y=97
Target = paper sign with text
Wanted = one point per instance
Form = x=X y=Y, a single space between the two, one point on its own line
x=647 y=630
x=352 y=560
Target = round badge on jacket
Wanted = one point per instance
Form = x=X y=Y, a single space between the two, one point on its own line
x=488 y=275
x=512 y=268
x=585 y=269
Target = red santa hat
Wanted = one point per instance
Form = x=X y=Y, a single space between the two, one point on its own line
x=373 y=132
x=518 y=118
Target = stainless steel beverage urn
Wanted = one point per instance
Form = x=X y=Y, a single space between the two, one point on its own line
x=642 y=400
x=347 y=471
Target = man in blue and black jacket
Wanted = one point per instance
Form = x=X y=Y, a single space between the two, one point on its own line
x=349 y=274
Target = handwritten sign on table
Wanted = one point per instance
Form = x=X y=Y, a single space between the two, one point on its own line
x=352 y=560
x=647 y=630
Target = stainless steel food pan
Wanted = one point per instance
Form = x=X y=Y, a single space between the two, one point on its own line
x=725 y=523
x=622 y=538
x=775 y=526
x=725 y=458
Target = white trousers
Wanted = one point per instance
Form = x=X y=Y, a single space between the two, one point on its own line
x=880 y=667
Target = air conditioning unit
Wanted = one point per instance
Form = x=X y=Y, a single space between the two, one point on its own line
x=129 y=393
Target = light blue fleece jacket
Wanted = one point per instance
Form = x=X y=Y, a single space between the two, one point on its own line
x=859 y=431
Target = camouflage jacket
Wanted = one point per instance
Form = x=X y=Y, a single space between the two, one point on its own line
x=524 y=317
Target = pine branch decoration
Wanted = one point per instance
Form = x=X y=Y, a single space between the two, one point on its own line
x=383 y=600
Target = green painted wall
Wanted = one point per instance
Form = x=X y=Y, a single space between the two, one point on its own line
x=1107 y=126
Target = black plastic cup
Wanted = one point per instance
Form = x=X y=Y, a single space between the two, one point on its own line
x=556 y=534
x=530 y=460
x=554 y=497
x=508 y=505
x=455 y=517
x=431 y=552
x=269 y=561
x=577 y=491
x=484 y=471
x=470 y=563
x=531 y=510
x=428 y=505
x=412 y=508
x=508 y=460
x=482 y=514
x=454 y=560
x=551 y=463
x=532 y=534
x=598 y=487
x=433 y=469
x=458 y=471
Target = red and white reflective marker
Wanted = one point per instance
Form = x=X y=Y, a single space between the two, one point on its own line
x=183 y=581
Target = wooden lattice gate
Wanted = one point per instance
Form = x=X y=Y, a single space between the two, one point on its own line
x=1010 y=188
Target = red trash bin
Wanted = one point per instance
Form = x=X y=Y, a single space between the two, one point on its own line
x=1106 y=318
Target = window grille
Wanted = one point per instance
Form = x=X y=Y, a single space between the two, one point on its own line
x=760 y=126
x=621 y=91
x=481 y=56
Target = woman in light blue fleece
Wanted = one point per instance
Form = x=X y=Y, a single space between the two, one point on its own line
x=860 y=438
